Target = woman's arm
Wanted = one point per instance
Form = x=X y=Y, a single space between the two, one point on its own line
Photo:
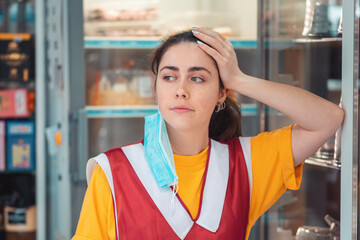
x=316 y=118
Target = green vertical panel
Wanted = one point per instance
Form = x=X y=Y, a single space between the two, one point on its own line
x=348 y=215
x=40 y=121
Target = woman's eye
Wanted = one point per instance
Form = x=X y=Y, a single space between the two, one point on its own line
x=197 y=79
x=169 y=78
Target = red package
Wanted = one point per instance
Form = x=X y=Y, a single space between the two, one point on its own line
x=14 y=103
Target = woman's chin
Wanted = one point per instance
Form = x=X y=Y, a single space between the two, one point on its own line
x=182 y=124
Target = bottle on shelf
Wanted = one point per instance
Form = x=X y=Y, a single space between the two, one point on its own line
x=21 y=16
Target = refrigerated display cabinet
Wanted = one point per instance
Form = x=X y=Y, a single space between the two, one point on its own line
x=95 y=51
x=314 y=45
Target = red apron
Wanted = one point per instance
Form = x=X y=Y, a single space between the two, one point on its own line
x=145 y=211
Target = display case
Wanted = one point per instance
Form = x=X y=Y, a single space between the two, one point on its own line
x=307 y=44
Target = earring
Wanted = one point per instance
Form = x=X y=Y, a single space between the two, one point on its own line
x=220 y=106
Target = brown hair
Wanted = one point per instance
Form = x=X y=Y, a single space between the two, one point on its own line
x=224 y=124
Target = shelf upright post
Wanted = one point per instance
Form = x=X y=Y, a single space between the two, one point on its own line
x=258 y=231
x=349 y=146
x=40 y=59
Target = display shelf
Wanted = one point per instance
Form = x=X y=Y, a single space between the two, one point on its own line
x=125 y=111
x=99 y=24
x=318 y=40
x=328 y=163
x=131 y=111
x=280 y=43
x=153 y=42
x=146 y=42
x=6 y=172
x=121 y=42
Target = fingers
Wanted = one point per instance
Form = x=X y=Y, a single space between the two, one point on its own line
x=212 y=52
x=222 y=51
x=214 y=44
x=213 y=39
x=221 y=36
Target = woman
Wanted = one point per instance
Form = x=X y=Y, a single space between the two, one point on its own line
x=223 y=184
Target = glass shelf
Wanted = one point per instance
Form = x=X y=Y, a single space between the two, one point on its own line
x=146 y=42
x=318 y=40
x=120 y=111
x=131 y=111
x=153 y=42
x=328 y=163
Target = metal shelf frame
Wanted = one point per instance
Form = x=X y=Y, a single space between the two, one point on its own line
x=40 y=178
x=327 y=163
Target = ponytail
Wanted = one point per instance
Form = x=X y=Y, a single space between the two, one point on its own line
x=226 y=123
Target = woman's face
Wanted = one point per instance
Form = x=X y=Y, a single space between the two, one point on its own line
x=187 y=87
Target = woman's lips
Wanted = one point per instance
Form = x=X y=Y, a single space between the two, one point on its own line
x=181 y=109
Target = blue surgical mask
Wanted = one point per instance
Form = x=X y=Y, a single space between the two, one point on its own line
x=158 y=152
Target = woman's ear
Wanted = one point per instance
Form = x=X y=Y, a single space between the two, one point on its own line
x=223 y=94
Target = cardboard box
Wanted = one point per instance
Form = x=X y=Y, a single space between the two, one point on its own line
x=16 y=57
x=2 y=146
x=20 y=145
x=14 y=103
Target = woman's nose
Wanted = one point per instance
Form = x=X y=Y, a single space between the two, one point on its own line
x=182 y=91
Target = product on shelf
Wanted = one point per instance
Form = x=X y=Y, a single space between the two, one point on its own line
x=20 y=145
x=122 y=87
x=20 y=223
x=322 y=19
x=20 y=16
x=121 y=14
x=125 y=19
x=16 y=57
x=2 y=146
x=15 y=103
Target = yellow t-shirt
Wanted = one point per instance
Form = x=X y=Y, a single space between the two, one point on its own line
x=272 y=173
x=190 y=171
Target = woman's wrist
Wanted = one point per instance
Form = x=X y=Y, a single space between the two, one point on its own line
x=238 y=81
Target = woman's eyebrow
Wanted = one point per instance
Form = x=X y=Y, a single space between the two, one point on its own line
x=194 y=69
x=173 y=68
x=191 y=69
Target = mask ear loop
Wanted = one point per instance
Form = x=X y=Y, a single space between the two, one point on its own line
x=175 y=189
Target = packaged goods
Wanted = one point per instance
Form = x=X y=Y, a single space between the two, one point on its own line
x=16 y=57
x=20 y=223
x=130 y=18
x=20 y=145
x=122 y=87
x=2 y=146
x=122 y=14
x=14 y=103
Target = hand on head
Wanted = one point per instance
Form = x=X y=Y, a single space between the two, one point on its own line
x=222 y=51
